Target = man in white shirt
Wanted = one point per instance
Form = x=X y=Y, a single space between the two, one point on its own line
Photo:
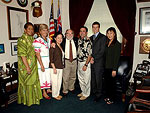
x=69 y=72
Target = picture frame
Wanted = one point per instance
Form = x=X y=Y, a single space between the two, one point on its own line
x=143 y=1
x=2 y=48
x=14 y=48
x=144 y=47
x=6 y=1
x=144 y=21
x=16 y=20
x=22 y=3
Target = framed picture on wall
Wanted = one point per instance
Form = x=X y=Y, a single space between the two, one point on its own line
x=144 y=21
x=143 y=0
x=16 y=20
x=2 y=49
x=144 y=45
x=13 y=48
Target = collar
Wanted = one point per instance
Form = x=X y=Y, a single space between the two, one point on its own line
x=96 y=34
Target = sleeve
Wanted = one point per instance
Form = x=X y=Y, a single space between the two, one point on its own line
x=51 y=55
x=116 y=56
x=37 y=45
x=22 y=47
x=89 y=48
x=101 y=51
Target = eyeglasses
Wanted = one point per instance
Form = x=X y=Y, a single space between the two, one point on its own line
x=69 y=33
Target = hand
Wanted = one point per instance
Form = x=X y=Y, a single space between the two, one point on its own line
x=88 y=38
x=113 y=73
x=42 y=68
x=53 y=45
x=54 y=71
x=28 y=70
x=92 y=60
x=84 y=68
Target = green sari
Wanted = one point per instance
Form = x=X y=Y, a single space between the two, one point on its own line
x=29 y=91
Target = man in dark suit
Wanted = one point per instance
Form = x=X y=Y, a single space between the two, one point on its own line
x=69 y=72
x=97 y=60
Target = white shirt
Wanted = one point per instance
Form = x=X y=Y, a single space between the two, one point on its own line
x=67 y=47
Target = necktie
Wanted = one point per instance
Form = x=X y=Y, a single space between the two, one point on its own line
x=94 y=36
x=70 y=53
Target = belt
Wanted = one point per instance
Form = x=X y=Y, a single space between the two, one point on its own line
x=72 y=60
x=81 y=61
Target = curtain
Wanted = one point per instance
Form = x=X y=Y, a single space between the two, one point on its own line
x=123 y=13
x=79 y=11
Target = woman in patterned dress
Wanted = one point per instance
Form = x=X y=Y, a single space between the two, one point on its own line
x=42 y=45
x=29 y=91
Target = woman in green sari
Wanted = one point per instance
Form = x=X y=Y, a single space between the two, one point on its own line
x=29 y=91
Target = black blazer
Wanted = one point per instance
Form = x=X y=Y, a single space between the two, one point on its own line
x=63 y=44
x=112 y=56
x=98 y=49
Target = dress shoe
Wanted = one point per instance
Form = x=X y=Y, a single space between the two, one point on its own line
x=72 y=91
x=110 y=102
x=60 y=96
x=79 y=95
x=57 y=98
x=97 y=99
x=82 y=98
x=106 y=99
x=65 y=94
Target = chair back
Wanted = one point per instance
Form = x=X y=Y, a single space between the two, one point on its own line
x=124 y=66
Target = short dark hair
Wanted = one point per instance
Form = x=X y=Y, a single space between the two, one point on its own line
x=84 y=28
x=28 y=24
x=115 y=37
x=58 y=33
x=96 y=23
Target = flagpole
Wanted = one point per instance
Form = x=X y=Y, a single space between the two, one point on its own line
x=51 y=23
x=59 y=23
x=58 y=3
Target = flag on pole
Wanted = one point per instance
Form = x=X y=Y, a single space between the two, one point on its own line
x=59 y=24
x=51 y=23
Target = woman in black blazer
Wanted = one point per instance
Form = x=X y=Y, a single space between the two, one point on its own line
x=112 y=55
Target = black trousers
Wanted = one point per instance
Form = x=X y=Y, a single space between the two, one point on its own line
x=109 y=82
x=96 y=80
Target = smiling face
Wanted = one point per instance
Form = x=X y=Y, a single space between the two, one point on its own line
x=44 y=33
x=29 y=30
x=69 y=34
x=95 y=28
x=110 y=35
x=83 y=33
x=59 y=39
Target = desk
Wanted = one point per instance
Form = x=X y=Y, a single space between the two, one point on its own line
x=6 y=90
x=3 y=93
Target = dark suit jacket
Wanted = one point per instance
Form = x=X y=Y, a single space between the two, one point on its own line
x=98 y=49
x=112 y=56
x=63 y=44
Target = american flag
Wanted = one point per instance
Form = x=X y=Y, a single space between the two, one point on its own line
x=51 y=23
x=59 y=25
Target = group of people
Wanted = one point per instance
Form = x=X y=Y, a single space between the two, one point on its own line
x=44 y=65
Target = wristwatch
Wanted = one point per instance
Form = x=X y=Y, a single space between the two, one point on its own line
x=85 y=65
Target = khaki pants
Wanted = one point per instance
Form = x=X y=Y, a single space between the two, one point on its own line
x=69 y=75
